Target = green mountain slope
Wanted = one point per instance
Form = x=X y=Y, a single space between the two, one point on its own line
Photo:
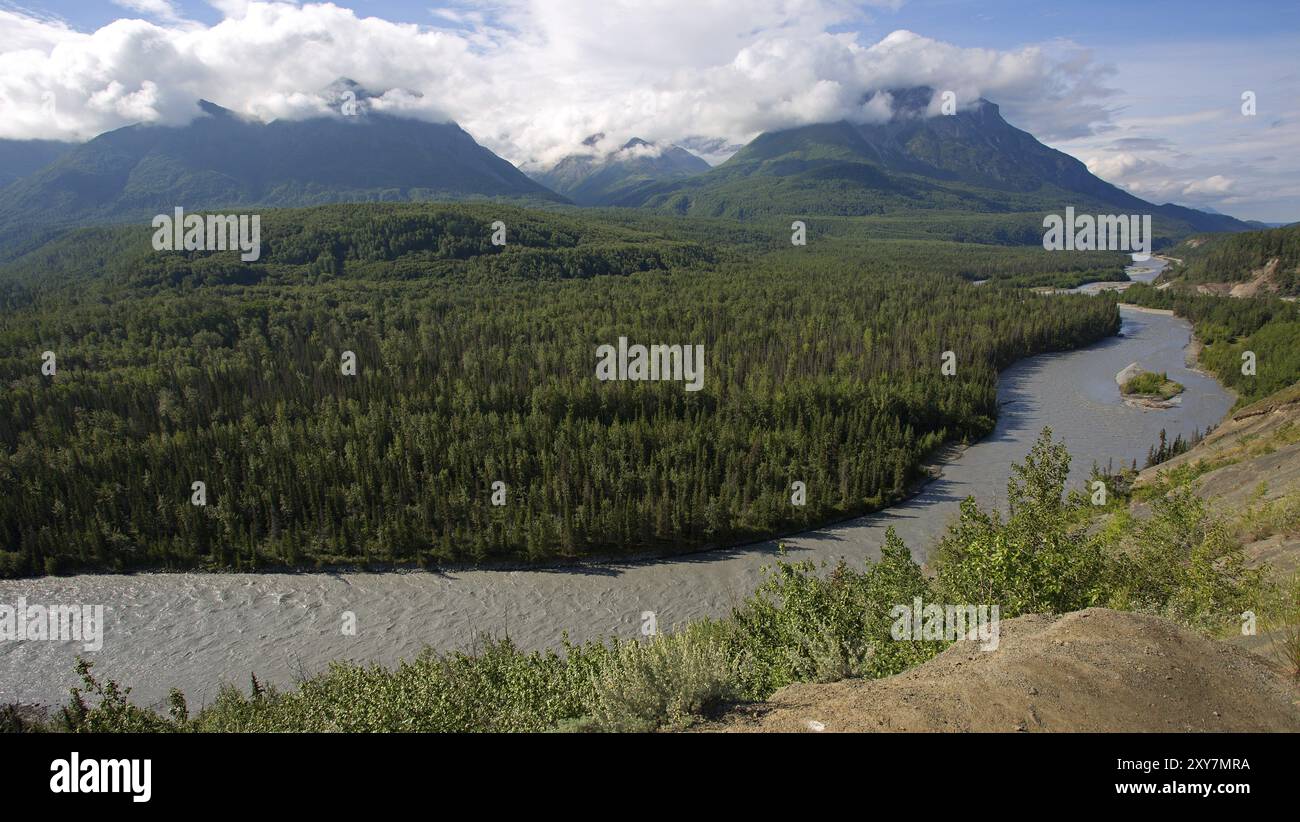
x=18 y=158
x=971 y=161
x=222 y=160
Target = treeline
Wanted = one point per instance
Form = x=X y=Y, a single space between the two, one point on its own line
x=1268 y=330
x=822 y=366
x=896 y=238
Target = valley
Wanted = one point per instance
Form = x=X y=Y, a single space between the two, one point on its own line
x=195 y=631
x=321 y=411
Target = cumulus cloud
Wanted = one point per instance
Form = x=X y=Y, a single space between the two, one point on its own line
x=638 y=151
x=528 y=78
x=24 y=32
x=1117 y=166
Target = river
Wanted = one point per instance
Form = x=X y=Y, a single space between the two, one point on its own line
x=196 y=630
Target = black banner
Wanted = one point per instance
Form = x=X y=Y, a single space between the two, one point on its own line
x=142 y=774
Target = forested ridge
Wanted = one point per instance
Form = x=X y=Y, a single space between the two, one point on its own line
x=1240 y=257
x=475 y=364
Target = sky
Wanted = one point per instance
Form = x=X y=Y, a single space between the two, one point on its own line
x=1148 y=94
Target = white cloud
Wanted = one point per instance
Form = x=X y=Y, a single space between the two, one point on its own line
x=528 y=78
x=1216 y=185
x=22 y=33
x=1160 y=182
x=1117 y=166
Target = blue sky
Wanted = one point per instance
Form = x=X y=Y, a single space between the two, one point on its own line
x=1147 y=93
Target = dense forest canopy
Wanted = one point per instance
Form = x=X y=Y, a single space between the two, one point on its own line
x=475 y=365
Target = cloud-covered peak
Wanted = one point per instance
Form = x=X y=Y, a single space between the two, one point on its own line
x=531 y=80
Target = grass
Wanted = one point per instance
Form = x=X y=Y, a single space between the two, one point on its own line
x=1281 y=623
x=1148 y=384
x=1286 y=642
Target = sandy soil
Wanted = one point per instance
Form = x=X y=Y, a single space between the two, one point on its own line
x=1095 y=671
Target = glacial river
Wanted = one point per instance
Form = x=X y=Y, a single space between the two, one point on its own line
x=196 y=630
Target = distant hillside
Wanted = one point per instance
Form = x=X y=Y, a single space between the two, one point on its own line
x=394 y=241
x=1241 y=265
x=973 y=161
x=222 y=160
x=18 y=158
x=622 y=177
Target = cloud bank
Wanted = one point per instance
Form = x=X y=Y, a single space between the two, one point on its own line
x=529 y=79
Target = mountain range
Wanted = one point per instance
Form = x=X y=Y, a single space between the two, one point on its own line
x=970 y=161
x=621 y=176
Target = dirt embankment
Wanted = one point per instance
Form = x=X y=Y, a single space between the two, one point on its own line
x=1093 y=670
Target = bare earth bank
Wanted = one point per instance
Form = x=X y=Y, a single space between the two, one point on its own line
x=1095 y=670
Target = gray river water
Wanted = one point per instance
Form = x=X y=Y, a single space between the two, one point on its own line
x=196 y=630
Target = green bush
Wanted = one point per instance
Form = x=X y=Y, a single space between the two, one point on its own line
x=1181 y=563
x=1047 y=556
x=800 y=626
x=497 y=689
x=111 y=711
x=1040 y=559
x=667 y=682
